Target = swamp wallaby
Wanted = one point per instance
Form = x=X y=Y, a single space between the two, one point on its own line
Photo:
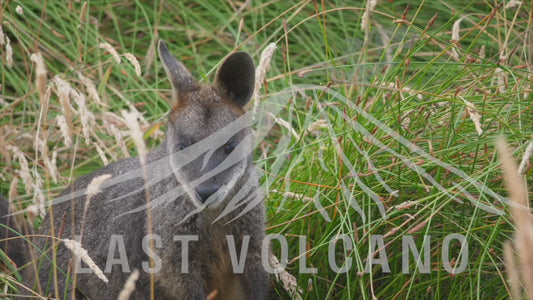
x=194 y=200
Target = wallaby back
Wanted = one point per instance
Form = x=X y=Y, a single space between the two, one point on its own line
x=199 y=192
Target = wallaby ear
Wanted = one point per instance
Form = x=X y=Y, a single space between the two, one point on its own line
x=236 y=77
x=180 y=78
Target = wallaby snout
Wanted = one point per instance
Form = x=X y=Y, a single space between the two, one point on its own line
x=206 y=190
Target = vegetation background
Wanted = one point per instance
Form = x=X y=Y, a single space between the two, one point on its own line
x=446 y=76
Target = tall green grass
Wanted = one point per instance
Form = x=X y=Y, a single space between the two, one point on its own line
x=397 y=77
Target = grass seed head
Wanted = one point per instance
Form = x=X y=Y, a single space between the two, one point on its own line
x=91 y=89
x=133 y=60
x=111 y=50
x=136 y=134
x=40 y=73
x=78 y=251
x=9 y=53
x=520 y=211
x=24 y=171
x=129 y=286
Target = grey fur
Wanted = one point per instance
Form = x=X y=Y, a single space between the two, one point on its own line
x=194 y=191
x=11 y=241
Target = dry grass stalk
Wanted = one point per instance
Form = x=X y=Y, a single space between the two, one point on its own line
x=512 y=271
x=52 y=168
x=38 y=196
x=94 y=187
x=474 y=115
x=522 y=217
x=418 y=227
x=500 y=76
x=129 y=286
x=91 y=89
x=50 y=165
x=40 y=74
x=9 y=53
x=101 y=154
x=512 y=4
x=3 y=147
x=111 y=50
x=404 y=205
x=455 y=29
x=527 y=154
x=133 y=60
x=394 y=87
x=78 y=251
x=24 y=171
x=63 y=92
x=2 y=36
x=13 y=192
x=260 y=72
x=15 y=282
x=482 y=52
x=394 y=230
x=87 y=118
x=131 y=107
x=315 y=127
x=290 y=284
x=365 y=20
x=285 y=124
x=455 y=37
x=64 y=129
x=119 y=137
x=150 y=54
x=293 y=195
x=385 y=40
x=33 y=212
x=41 y=145
x=136 y=134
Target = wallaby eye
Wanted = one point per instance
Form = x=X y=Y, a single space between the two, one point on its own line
x=230 y=146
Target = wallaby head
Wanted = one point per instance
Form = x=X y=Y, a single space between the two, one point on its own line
x=208 y=139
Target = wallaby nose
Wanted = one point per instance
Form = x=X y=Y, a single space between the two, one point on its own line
x=206 y=190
